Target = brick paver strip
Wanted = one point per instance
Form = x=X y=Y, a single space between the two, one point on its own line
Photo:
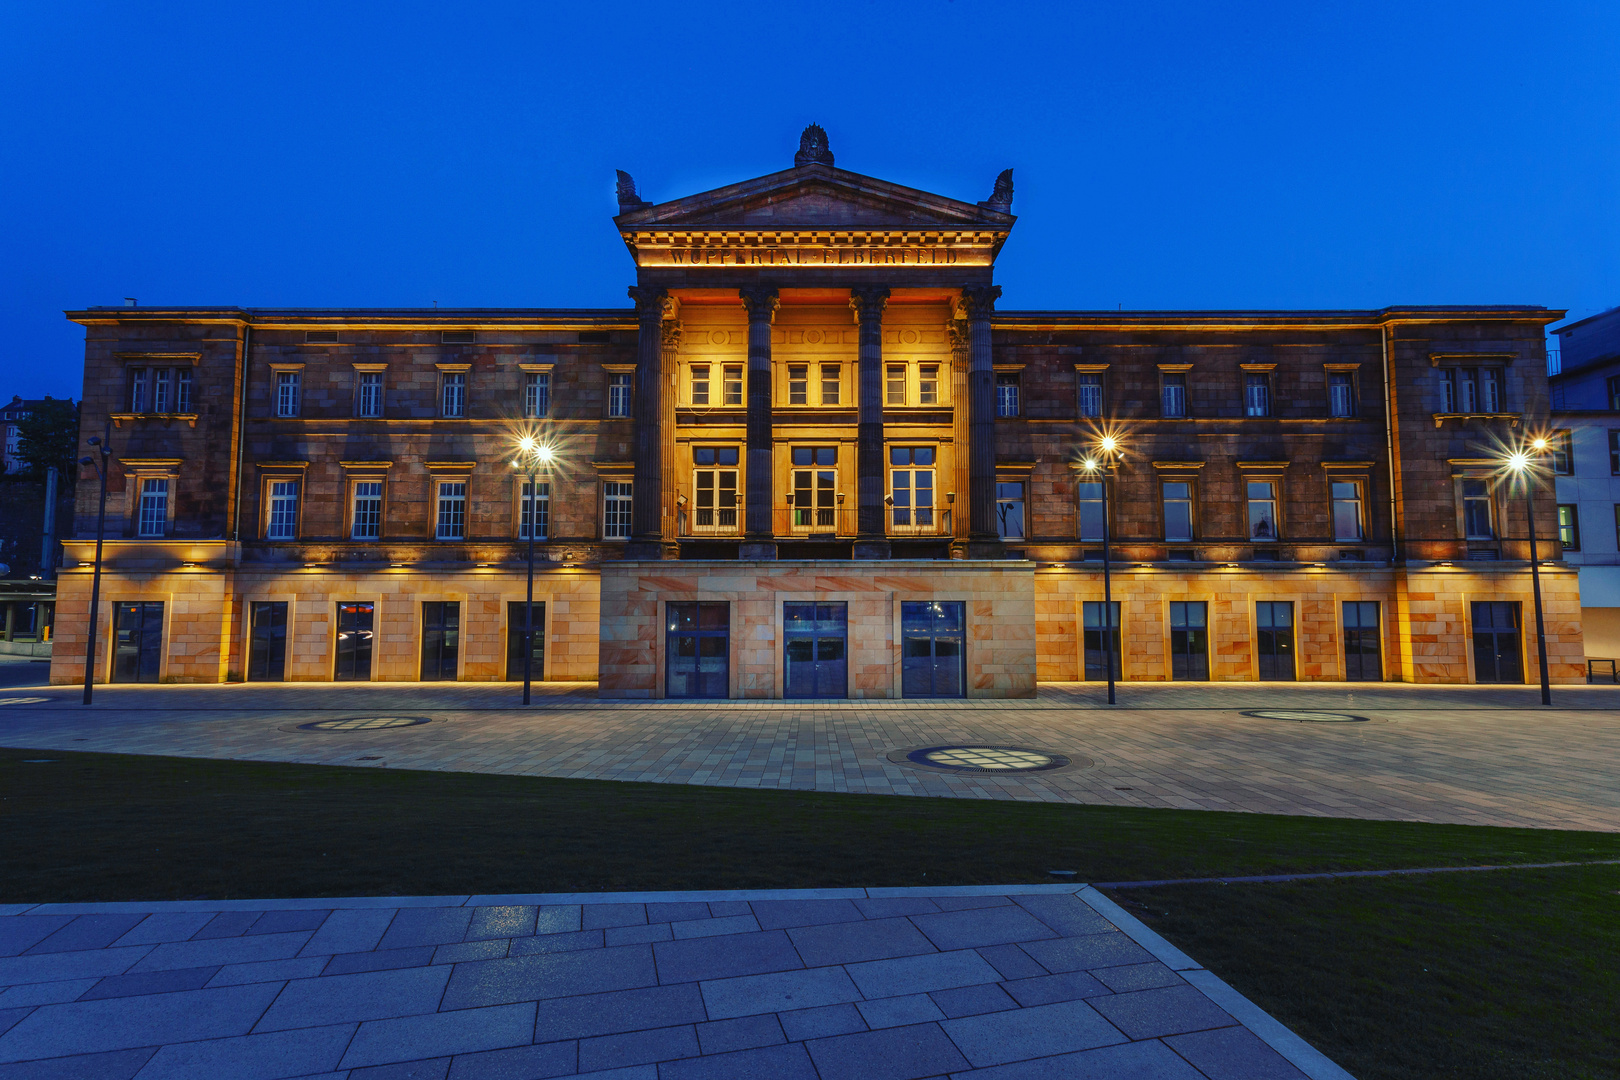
x=1263 y=878
x=993 y=982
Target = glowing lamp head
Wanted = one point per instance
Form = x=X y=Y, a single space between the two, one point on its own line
x=1090 y=464
x=1108 y=444
x=526 y=444
x=543 y=454
x=1518 y=461
x=1539 y=445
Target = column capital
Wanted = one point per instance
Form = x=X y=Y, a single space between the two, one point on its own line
x=979 y=301
x=761 y=302
x=956 y=332
x=653 y=303
x=671 y=334
x=868 y=302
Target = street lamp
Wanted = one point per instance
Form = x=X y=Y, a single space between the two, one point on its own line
x=102 y=466
x=1099 y=465
x=533 y=457
x=1522 y=463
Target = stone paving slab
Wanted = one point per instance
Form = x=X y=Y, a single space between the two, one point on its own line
x=1476 y=755
x=984 y=982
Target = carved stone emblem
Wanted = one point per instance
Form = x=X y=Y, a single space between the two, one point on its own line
x=628 y=199
x=813 y=149
x=1001 y=197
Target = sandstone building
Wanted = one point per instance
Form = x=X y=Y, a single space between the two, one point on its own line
x=815 y=458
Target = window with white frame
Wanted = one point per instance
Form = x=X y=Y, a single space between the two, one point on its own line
x=154 y=508
x=453 y=394
x=1007 y=394
x=1173 y=396
x=619 y=394
x=928 y=384
x=1347 y=520
x=1569 y=526
x=1256 y=395
x=1091 y=395
x=1262 y=510
x=289 y=391
x=1562 y=451
x=732 y=379
x=831 y=383
x=534 y=510
x=1092 y=520
x=163 y=390
x=798 y=384
x=1177 y=496
x=452 y=519
x=1478 y=523
x=911 y=488
x=537 y=394
x=616 y=503
x=714 y=489
x=182 y=390
x=1472 y=390
x=700 y=383
x=137 y=389
x=371 y=393
x=282 y=521
x=160 y=390
x=366 y=518
x=895 y=389
x=815 y=487
x=1341 y=394
x=1010 y=509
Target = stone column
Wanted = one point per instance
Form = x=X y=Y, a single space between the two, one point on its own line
x=978 y=303
x=647 y=494
x=671 y=344
x=871 y=538
x=759 y=540
x=956 y=331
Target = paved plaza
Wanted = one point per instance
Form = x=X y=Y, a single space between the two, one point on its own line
x=1040 y=983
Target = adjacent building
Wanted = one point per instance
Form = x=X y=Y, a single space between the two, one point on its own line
x=815 y=458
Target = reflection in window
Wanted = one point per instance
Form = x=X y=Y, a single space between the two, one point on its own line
x=1476 y=496
x=1341 y=394
x=1173 y=398
x=1091 y=395
x=1346 y=511
x=1262 y=510
x=1178 y=517
x=1010 y=510
x=1256 y=395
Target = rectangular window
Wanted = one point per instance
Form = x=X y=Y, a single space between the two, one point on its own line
x=1614 y=393
x=367 y=510
x=1091 y=395
x=1173 y=399
x=697 y=652
x=1257 y=395
x=1617 y=524
x=1476 y=496
x=1362 y=649
x=1341 y=394
x=1569 y=528
x=1010 y=510
x=700 y=384
x=831 y=383
x=896 y=394
x=714 y=489
x=1346 y=510
x=1189 y=641
x=815 y=487
x=537 y=394
x=154 y=513
x=1100 y=649
x=911 y=487
x=798 y=384
x=288 y=385
x=1178 y=515
x=454 y=398
x=1473 y=390
x=932 y=656
x=1262 y=510
x=928 y=384
x=534 y=510
x=1563 y=453
x=371 y=393
x=182 y=390
x=452 y=524
x=732 y=374
x=283 y=520
x=162 y=388
x=616 y=510
x=1274 y=623
x=1614 y=453
x=1092 y=520
x=137 y=390
x=1490 y=390
x=619 y=394
x=1007 y=395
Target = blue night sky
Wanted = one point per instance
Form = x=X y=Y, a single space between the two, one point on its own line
x=1191 y=155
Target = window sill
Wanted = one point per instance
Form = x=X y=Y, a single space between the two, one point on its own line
x=1512 y=418
x=119 y=419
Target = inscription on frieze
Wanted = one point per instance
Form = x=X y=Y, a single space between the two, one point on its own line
x=789 y=255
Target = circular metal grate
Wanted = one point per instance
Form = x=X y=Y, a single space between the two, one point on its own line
x=984 y=760
x=365 y=723
x=1306 y=716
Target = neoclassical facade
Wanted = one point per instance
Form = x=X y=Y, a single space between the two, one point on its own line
x=815 y=458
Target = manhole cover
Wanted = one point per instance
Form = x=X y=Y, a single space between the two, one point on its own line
x=22 y=700
x=1303 y=716
x=365 y=723
x=984 y=760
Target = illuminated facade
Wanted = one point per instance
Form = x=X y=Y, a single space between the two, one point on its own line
x=813 y=459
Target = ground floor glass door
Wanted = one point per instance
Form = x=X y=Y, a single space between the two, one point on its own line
x=514 y=642
x=1274 y=625
x=354 y=642
x=1096 y=671
x=267 y=641
x=1189 y=641
x=697 y=650
x=932 y=656
x=441 y=640
x=1497 y=655
x=138 y=642
x=1362 y=662
x=814 y=646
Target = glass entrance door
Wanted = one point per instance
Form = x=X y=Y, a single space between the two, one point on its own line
x=138 y=642
x=815 y=646
x=1497 y=656
x=697 y=657
x=514 y=642
x=932 y=658
x=1274 y=623
x=1096 y=669
x=267 y=641
x=441 y=640
x=1362 y=661
x=354 y=642
x=1189 y=641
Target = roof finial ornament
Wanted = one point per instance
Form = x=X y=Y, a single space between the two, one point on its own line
x=1001 y=198
x=628 y=199
x=813 y=149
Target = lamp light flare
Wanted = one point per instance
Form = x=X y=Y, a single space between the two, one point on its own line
x=1518 y=461
x=1540 y=444
x=1090 y=464
x=526 y=444
x=1108 y=444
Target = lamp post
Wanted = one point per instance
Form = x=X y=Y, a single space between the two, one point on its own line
x=533 y=458
x=1522 y=463
x=1107 y=456
x=102 y=466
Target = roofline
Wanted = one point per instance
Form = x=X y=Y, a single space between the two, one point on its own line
x=1589 y=318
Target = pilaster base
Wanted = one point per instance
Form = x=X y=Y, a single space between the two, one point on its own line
x=873 y=549
x=986 y=549
x=651 y=549
x=757 y=549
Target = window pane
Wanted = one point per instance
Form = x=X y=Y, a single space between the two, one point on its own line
x=452 y=519
x=367 y=510
x=734 y=384
x=830 y=383
x=1341 y=396
x=1091 y=395
x=1006 y=395
x=283 y=510
x=928 y=384
x=1174 y=401
x=700 y=384
x=154 y=509
x=798 y=385
x=897 y=385
x=1257 y=395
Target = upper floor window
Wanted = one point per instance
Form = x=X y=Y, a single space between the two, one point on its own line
x=453 y=395
x=163 y=390
x=534 y=510
x=928 y=384
x=154 y=508
x=1092 y=519
x=282 y=523
x=1341 y=394
x=815 y=487
x=616 y=510
x=160 y=390
x=1347 y=510
x=1009 y=510
x=714 y=488
x=1614 y=393
x=1476 y=499
x=1569 y=528
x=831 y=383
x=1091 y=395
x=1614 y=453
x=452 y=521
x=1178 y=510
x=1173 y=396
x=537 y=394
x=367 y=511
x=1562 y=452
x=1007 y=394
x=1472 y=390
x=1262 y=510
x=619 y=394
x=732 y=379
x=700 y=383
x=289 y=391
x=911 y=487
x=798 y=384
x=371 y=393
x=1257 y=395
x=895 y=394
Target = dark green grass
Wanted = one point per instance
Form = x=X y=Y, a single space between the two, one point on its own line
x=120 y=827
x=1511 y=973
